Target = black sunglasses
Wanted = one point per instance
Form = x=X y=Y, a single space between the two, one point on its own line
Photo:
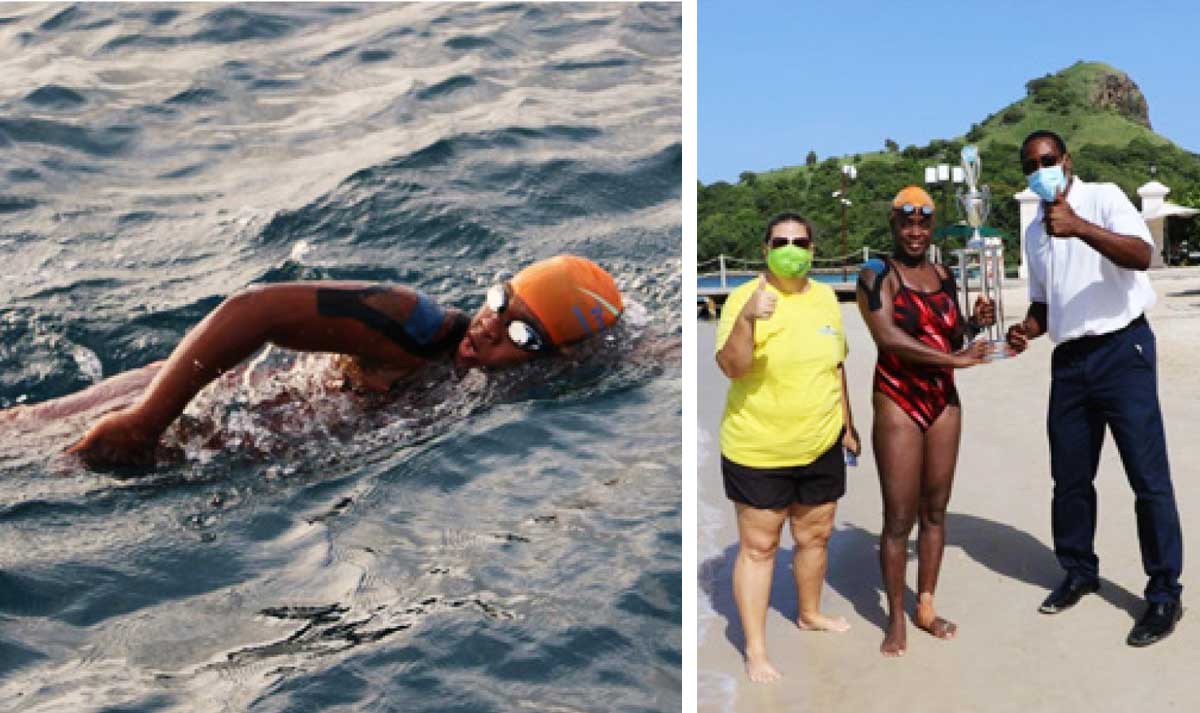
x=1046 y=160
x=520 y=332
x=780 y=241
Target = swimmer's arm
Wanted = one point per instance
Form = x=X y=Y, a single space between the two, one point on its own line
x=888 y=337
x=282 y=314
x=112 y=393
x=965 y=329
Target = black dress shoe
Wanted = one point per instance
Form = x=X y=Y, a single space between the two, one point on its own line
x=1068 y=594
x=1156 y=624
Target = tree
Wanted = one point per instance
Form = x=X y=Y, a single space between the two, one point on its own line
x=891 y=146
x=1054 y=92
x=1012 y=115
x=747 y=178
x=811 y=159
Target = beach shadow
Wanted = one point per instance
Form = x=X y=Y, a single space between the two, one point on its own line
x=716 y=581
x=1018 y=555
x=1002 y=548
x=854 y=571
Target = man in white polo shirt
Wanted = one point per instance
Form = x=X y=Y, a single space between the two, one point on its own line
x=1087 y=251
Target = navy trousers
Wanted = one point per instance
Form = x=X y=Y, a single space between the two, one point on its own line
x=1111 y=381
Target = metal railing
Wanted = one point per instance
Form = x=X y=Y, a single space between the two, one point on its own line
x=727 y=265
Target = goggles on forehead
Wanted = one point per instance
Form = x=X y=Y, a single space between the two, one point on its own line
x=908 y=209
x=520 y=333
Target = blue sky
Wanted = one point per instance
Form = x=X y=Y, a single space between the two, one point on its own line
x=776 y=79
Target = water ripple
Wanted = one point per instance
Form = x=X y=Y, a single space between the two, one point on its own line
x=494 y=542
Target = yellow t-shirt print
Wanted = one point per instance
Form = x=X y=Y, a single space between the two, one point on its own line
x=787 y=410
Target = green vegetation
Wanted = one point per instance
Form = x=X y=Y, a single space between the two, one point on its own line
x=1096 y=108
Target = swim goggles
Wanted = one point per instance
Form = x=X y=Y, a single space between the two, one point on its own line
x=908 y=209
x=520 y=333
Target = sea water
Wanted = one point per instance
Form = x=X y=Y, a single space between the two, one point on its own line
x=491 y=543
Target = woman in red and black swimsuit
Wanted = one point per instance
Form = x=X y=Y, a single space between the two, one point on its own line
x=910 y=309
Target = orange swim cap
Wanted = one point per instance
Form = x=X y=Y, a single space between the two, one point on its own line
x=914 y=196
x=571 y=296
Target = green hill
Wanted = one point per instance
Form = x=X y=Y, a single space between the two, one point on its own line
x=1097 y=109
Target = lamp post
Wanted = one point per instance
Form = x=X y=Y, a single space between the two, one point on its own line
x=849 y=173
x=946 y=176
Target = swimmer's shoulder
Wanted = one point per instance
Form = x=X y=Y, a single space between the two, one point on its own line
x=408 y=317
x=875 y=267
x=873 y=276
x=395 y=301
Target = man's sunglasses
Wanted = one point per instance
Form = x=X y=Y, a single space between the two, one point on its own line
x=520 y=332
x=1046 y=160
x=781 y=241
x=908 y=209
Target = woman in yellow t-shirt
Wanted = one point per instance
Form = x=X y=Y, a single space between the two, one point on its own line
x=786 y=422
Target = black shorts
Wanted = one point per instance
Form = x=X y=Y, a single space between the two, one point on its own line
x=822 y=481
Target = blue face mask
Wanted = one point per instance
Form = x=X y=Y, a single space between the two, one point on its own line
x=1047 y=181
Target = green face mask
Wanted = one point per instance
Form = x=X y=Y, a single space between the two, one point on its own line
x=789 y=261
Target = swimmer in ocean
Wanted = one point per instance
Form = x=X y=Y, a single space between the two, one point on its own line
x=388 y=333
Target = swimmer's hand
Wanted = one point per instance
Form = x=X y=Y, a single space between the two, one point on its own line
x=119 y=438
x=984 y=312
x=973 y=354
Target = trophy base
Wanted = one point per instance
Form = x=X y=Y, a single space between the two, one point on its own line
x=1000 y=350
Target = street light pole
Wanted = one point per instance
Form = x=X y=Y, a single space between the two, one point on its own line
x=849 y=172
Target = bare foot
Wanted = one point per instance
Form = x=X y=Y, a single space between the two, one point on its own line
x=760 y=670
x=820 y=622
x=928 y=620
x=895 y=641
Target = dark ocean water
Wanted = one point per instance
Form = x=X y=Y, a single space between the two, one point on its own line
x=506 y=542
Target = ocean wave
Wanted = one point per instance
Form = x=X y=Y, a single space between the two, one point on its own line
x=447 y=545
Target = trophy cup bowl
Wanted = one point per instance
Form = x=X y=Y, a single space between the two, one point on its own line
x=975 y=205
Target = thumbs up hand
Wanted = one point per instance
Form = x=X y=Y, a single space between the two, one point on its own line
x=1059 y=218
x=761 y=304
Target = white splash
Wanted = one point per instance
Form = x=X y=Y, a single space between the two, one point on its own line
x=299 y=250
x=88 y=362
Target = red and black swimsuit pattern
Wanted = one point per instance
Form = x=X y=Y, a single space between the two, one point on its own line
x=922 y=392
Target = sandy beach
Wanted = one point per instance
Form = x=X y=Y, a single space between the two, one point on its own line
x=999 y=562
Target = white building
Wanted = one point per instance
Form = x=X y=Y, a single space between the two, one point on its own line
x=1155 y=210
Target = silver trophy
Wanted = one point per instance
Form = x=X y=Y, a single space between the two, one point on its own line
x=974 y=200
x=984 y=255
